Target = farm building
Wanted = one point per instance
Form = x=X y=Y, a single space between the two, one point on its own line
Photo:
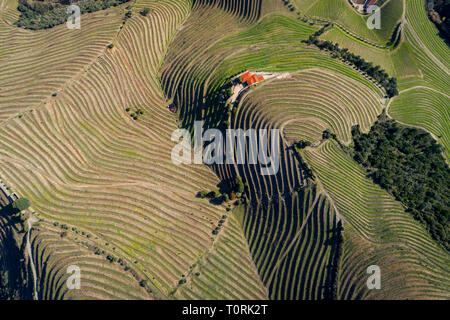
x=369 y=3
x=248 y=79
x=364 y=2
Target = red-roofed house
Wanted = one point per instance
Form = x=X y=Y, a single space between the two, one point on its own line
x=369 y=3
x=248 y=78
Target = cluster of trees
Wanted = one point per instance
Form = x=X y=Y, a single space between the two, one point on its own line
x=128 y=15
x=13 y=267
x=319 y=32
x=5 y=292
x=230 y=191
x=302 y=144
x=396 y=36
x=212 y=194
x=219 y=225
x=135 y=115
x=389 y=84
x=10 y=289
x=439 y=13
x=328 y=134
x=111 y=258
x=409 y=164
x=36 y=15
x=288 y=4
x=215 y=196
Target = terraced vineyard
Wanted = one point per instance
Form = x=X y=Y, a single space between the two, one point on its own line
x=342 y=13
x=86 y=137
x=312 y=101
x=102 y=174
x=293 y=263
x=420 y=63
x=414 y=266
x=431 y=110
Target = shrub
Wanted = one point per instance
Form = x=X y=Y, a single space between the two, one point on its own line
x=145 y=12
x=226 y=198
x=143 y=283
x=202 y=194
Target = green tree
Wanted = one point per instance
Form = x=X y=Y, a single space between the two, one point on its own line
x=239 y=185
x=143 y=283
x=326 y=134
x=202 y=194
x=21 y=204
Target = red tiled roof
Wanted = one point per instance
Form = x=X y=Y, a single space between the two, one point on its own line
x=250 y=78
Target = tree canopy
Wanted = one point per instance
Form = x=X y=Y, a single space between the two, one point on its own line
x=21 y=204
x=36 y=15
x=239 y=184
